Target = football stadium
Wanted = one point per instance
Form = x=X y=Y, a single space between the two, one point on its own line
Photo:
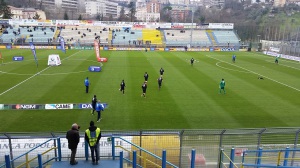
x=220 y=102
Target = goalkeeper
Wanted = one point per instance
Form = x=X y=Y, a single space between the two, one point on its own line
x=222 y=86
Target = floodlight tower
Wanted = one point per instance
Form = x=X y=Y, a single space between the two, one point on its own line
x=191 y=38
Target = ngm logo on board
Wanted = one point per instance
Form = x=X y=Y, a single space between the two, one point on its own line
x=58 y=106
x=25 y=106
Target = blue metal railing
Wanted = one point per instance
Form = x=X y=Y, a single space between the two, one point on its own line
x=278 y=164
x=57 y=149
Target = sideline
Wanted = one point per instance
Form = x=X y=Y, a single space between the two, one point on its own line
x=257 y=74
x=33 y=76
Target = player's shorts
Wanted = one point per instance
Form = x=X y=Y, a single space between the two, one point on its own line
x=222 y=87
x=122 y=89
x=94 y=106
x=144 y=91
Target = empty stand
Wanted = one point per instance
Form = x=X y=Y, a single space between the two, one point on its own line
x=182 y=37
x=225 y=37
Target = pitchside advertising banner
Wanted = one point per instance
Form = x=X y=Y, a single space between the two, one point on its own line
x=49 y=106
x=20 y=146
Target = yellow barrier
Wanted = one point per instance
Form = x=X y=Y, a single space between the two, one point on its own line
x=229 y=160
x=141 y=157
x=27 y=162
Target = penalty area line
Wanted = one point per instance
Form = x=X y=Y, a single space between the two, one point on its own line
x=257 y=74
x=32 y=76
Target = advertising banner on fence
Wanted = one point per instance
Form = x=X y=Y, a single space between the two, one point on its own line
x=58 y=106
x=274 y=54
x=228 y=49
x=1 y=106
x=26 y=106
x=37 y=47
x=20 y=146
x=220 y=25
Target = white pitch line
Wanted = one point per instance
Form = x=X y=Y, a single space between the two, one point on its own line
x=32 y=76
x=258 y=74
x=231 y=69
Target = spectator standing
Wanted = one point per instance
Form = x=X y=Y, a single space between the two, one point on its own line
x=73 y=140
x=92 y=137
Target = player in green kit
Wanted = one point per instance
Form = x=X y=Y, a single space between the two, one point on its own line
x=222 y=86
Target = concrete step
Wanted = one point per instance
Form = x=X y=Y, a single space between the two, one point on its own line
x=87 y=164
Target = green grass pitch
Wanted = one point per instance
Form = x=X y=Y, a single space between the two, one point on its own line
x=189 y=97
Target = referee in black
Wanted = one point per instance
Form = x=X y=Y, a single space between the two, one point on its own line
x=122 y=86
x=94 y=101
x=192 y=61
x=146 y=76
x=161 y=71
x=159 y=80
x=144 y=88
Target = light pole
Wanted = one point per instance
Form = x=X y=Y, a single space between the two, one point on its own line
x=191 y=38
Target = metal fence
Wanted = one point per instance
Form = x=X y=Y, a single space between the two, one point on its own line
x=286 y=47
x=177 y=143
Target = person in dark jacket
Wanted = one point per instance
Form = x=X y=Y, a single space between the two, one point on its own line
x=92 y=136
x=73 y=140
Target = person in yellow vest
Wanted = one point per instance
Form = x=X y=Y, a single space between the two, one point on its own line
x=92 y=136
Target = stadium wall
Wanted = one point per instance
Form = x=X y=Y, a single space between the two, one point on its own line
x=178 y=143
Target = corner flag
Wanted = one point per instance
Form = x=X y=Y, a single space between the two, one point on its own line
x=32 y=47
x=62 y=44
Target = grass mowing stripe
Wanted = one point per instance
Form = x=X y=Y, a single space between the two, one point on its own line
x=257 y=74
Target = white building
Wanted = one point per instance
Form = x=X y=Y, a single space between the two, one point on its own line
x=144 y=15
x=104 y=7
x=17 y=12
x=26 y=13
x=126 y=10
x=65 y=4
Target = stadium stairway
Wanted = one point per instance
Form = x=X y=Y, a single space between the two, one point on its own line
x=87 y=164
x=211 y=37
